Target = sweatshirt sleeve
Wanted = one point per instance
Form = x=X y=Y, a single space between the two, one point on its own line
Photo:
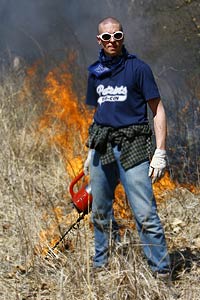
x=147 y=83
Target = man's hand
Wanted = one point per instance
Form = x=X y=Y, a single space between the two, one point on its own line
x=87 y=163
x=158 y=165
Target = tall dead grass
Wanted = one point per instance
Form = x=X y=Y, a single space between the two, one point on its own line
x=35 y=208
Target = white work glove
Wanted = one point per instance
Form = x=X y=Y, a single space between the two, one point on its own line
x=87 y=163
x=158 y=165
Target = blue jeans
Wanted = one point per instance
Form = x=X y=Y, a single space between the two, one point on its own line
x=138 y=188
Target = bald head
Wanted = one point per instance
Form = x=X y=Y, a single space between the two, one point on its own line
x=109 y=20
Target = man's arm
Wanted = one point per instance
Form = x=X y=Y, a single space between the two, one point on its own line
x=160 y=123
x=158 y=162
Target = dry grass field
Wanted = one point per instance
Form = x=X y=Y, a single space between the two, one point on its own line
x=35 y=210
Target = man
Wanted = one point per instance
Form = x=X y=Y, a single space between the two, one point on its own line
x=121 y=86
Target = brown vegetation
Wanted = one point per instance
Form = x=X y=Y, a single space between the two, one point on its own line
x=35 y=210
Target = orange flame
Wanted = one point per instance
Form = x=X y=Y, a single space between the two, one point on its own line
x=164 y=185
x=65 y=119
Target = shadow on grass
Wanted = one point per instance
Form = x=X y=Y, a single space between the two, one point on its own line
x=183 y=260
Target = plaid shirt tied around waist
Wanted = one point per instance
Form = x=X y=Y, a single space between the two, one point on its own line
x=134 y=142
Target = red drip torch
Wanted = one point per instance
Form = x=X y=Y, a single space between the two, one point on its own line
x=82 y=199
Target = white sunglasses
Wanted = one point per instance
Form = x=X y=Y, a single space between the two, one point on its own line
x=106 y=36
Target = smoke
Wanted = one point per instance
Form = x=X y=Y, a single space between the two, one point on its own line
x=35 y=28
x=27 y=28
x=32 y=29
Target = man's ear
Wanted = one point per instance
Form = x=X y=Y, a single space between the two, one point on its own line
x=98 y=40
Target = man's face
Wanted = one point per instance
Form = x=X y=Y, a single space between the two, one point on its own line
x=112 y=47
